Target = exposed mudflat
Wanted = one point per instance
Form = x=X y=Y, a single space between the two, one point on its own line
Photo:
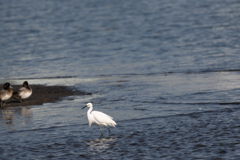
x=44 y=94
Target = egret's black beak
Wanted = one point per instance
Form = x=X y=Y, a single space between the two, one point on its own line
x=84 y=107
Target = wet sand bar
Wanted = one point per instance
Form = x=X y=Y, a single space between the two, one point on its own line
x=44 y=94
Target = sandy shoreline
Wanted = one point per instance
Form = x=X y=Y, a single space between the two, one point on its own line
x=43 y=94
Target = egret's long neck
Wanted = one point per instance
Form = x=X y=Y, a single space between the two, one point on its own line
x=90 y=116
x=90 y=110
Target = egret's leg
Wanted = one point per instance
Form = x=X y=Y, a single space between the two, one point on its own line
x=101 y=131
x=109 y=131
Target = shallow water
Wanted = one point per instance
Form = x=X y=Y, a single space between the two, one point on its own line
x=167 y=71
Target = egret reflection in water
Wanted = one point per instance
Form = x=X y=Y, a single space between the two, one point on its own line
x=100 y=144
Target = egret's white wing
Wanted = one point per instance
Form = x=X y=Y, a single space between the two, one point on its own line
x=103 y=118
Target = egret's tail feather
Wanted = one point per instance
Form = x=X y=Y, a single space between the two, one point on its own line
x=114 y=123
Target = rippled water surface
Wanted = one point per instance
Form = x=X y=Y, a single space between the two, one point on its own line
x=167 y=71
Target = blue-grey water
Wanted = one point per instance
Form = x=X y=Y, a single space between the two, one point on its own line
x=167 y=71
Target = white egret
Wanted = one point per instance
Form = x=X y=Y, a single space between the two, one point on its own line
x=99 y=118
